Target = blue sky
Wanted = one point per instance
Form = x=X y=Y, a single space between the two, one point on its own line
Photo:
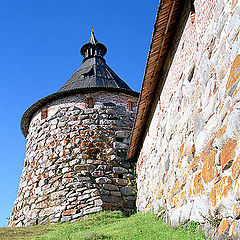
x=39 y=51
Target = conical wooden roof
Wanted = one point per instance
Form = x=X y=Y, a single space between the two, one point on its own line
x=94 y=72
x=93 y=75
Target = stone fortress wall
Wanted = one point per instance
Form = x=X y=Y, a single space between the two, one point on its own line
x=190 y=160
x=75 y=160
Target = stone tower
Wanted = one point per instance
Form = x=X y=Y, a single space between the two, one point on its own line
x=77 y=141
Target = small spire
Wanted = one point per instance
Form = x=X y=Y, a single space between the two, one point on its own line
x=93 y=48
x=93 y=39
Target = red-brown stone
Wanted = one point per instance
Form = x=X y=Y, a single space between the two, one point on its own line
x=93 y=150
x=221 y=131
x=234 y=73
x=70 y=212
x=87 y=144
x=236 y=167
x=208 y=167
x=220 y=189
x=197 y=184
x=223 y=227
x=228 y=153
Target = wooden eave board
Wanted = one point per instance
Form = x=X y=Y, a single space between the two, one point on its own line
x=164 y=31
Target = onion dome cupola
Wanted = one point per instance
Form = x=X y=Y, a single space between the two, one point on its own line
x=94 y=72
x=93 y=48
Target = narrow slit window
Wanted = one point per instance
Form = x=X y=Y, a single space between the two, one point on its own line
x=44 y=113
x=90 y=102
x=130 y=105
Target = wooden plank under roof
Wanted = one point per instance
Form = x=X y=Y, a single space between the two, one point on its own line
x=168 y=15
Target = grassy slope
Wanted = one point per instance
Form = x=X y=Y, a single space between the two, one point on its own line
x=107 y=225
x=20 y=233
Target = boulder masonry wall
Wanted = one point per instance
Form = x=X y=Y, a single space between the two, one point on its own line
x=190 y=160
x=75 y=160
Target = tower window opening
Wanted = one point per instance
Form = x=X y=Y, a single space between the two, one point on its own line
x=119 y=139
x=130 y=105
x=44 y=113
x=89 y=73
x=90 y=102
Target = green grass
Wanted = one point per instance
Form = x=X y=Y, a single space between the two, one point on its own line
x=106 y=225
x=20 y=233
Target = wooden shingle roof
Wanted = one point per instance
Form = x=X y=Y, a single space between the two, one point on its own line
x=168 y=15
x=94 y=72
x=92 y=76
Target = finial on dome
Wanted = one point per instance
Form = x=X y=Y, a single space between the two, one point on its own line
x=93 y=48
x=93 y=39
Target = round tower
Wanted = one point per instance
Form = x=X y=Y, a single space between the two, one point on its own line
x=77 y=142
